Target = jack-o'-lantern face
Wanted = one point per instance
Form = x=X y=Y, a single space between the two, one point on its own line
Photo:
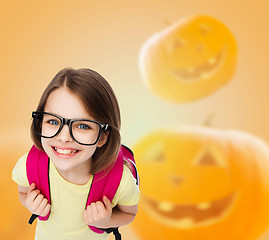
x=190 y=59
x=207 y=208
x=193 y=184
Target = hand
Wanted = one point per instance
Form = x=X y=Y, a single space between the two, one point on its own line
x=36 y=202
x=98 y=214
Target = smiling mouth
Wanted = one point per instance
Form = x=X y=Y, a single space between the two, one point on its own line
x=201 y=72
x=190 y=216
x=67 y=152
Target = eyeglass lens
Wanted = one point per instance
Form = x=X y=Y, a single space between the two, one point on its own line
x=83 y=131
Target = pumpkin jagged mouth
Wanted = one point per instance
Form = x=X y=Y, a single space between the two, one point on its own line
x=190 y=216
x=201 y=72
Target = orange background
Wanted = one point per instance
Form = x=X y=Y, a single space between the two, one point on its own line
x=38 y=38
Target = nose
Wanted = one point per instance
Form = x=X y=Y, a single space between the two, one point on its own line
x=175 y=179
x=64 y=135
x=200 y=48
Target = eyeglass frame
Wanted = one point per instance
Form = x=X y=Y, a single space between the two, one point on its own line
x=69 y=122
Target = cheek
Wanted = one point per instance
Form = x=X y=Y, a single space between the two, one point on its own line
x=88 y=151
x=44 y=143
x=47 y=147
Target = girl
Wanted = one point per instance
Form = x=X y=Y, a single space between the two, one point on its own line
x=79 y=132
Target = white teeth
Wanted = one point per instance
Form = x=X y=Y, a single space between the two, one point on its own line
x=205 y=75
x=191 y=70
x=186 y=223
x=203 y=206
x=65 y=151
x=211 y=61
x=166 y=206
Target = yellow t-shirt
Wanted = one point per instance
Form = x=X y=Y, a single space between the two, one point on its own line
x=68 y=204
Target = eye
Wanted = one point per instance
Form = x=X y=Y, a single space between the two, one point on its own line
x=204 y=29
x=178 y=43
x=210 y=157
x=159 y=157
x=207 y=159
x=83 y=127
x=174 y=44
x=154 y=153
x=53 y=122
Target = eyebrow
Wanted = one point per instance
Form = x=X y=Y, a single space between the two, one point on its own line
x=79 y=118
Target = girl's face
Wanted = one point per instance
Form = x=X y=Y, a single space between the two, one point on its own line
x=68 y=156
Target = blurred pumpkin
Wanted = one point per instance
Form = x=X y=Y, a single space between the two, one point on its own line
x=14 y=216
x=202 y=183
x=189 y=60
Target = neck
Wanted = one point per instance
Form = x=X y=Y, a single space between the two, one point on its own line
x=80 y=179
x=79 y=175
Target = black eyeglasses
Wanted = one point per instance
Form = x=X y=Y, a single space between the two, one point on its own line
x=83 y=131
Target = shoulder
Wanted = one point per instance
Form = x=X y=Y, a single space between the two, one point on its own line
x=127 y=176
x=128 y=192
x=19 y=172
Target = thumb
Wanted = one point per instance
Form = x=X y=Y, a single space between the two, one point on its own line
x=32 y=187
x=107 y=202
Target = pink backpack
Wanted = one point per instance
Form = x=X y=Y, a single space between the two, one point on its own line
x=105 y=183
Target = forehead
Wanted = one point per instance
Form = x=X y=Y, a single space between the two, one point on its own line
x=66 y=104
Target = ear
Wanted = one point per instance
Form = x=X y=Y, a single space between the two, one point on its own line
x=103 y=138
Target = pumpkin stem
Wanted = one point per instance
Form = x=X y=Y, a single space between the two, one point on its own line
x=208 y=121
x=167 y=22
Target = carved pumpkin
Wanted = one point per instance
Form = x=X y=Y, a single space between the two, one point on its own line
x=189 y=60
x=14 y=216
x=200 y=183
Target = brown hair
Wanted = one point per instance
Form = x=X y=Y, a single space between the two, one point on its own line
x=99 y=101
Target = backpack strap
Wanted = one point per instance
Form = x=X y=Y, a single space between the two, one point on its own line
x=37 y=169
x=115 y=231
x=128 y=155
x=106 y=183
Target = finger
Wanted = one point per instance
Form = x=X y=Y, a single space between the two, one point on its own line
x=33 y=195
x=39 y=198
x=46 y=210
x=85 y=218
x=31 y=188
x=88 y=215
x=107 y=202
x=42 y=205
x=100 y=208
x=37 y=202
x=89 y=210
x=94 y=212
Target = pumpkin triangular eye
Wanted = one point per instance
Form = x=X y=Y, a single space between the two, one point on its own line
x=155 y=153
x=178 y=43
x=174 y=44
x=159 y=157
x=204 y=29
x=210 y=156
x=175 y=180
x=207 y=159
